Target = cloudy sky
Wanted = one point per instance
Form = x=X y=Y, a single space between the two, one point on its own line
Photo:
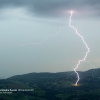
x=35 y=36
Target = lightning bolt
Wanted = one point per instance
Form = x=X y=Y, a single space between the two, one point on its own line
x=94 y=71
x=88 y=50
x=45 y=38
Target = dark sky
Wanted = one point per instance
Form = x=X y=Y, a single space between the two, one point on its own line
x=54 y=7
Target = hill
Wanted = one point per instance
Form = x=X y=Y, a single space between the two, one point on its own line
x=53 y=86
x=48 y=76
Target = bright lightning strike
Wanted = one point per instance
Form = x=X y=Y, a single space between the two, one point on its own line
x=88 y=50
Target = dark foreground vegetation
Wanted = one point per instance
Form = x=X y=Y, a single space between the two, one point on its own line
x=53 y=86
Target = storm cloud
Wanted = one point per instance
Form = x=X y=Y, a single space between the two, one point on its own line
x=54 y=7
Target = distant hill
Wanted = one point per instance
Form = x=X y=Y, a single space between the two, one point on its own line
x=49 y=76
x=54 y=86
x=39 y=76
